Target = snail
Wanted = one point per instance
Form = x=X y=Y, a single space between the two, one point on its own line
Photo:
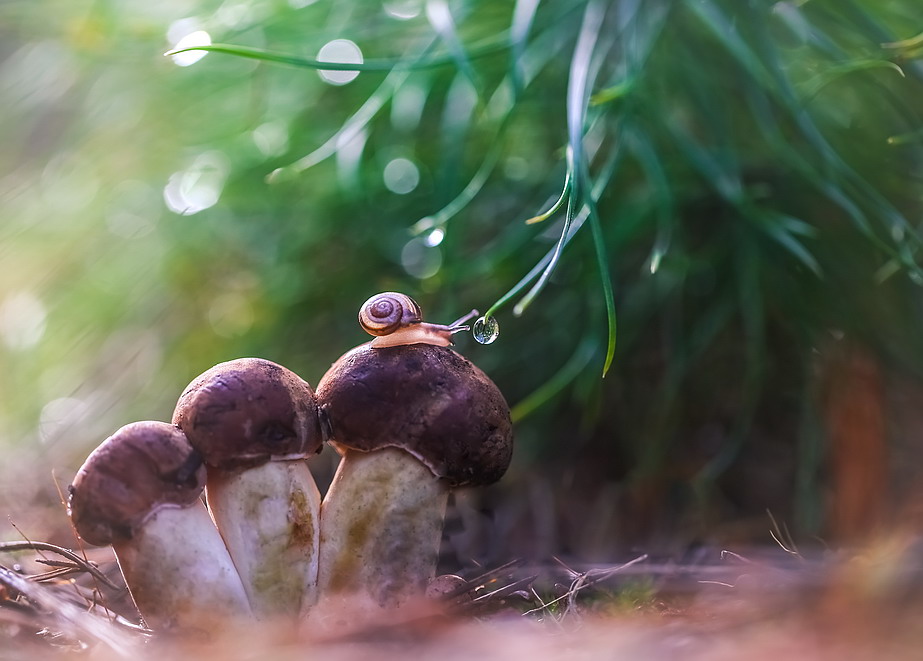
x=396 y=319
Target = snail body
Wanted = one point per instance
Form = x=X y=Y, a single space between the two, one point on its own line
x=395 y=319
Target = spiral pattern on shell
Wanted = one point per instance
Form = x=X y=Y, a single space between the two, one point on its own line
x=385 y=313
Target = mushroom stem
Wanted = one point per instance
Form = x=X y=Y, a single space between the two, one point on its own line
x=268 y=518
x=381 y=524
x=254 y=422
x=179 y=572
x=411 y=422
x=140 y=491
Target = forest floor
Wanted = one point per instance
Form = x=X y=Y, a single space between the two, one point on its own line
x=767 y=603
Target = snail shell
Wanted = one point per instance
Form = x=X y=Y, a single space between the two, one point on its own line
x=395 y=319
x=385 y=313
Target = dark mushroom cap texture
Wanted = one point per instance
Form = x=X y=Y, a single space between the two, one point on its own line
x=424 y=399
x=140 y=469
x=245 y=412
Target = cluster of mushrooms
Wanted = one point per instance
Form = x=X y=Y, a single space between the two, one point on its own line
x=411 y=420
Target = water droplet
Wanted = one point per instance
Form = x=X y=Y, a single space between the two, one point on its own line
x=486 y=330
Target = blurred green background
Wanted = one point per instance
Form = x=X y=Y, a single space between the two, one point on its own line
x=747 y=177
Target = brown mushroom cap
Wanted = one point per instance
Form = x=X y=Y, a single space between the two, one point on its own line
x=245 y=412
x=141 y=468
x=424 y=399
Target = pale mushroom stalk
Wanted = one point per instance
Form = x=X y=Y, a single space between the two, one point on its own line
x=268 y=517
x=412 y=422
x=179 y=572
x=140 y=491
x=255 y=422
x=381 y=524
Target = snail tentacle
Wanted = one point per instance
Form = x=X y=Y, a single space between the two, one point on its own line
x=459 y=324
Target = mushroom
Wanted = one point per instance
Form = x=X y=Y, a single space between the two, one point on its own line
x=254 y=422
x=411 y=422
x=140 y=491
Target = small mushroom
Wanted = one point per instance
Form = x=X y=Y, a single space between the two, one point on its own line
x=254 y=422
x=411 y=422
x=140 y=491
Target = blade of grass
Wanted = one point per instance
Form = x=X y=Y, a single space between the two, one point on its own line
x=251 y=53
x=565 y=193
x=606 y=172
x=906 y=138
x=357 y=122
x=502 y=41
x=458 y=116
x=578 y=92
x=860 y=190
x=778 y=228
x=555 y=255
x=912 y=42
x=717 y=174
x=521 y=23
x=759 y=105
x=483 y=48
x=613 y=92
x=467 y=194
x=441 y=20
x=639 y=143
x=813 y=86
x=726 y=32
x=499 y=111
x=603 y=263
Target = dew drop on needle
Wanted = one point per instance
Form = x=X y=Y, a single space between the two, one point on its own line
x=486 y=330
